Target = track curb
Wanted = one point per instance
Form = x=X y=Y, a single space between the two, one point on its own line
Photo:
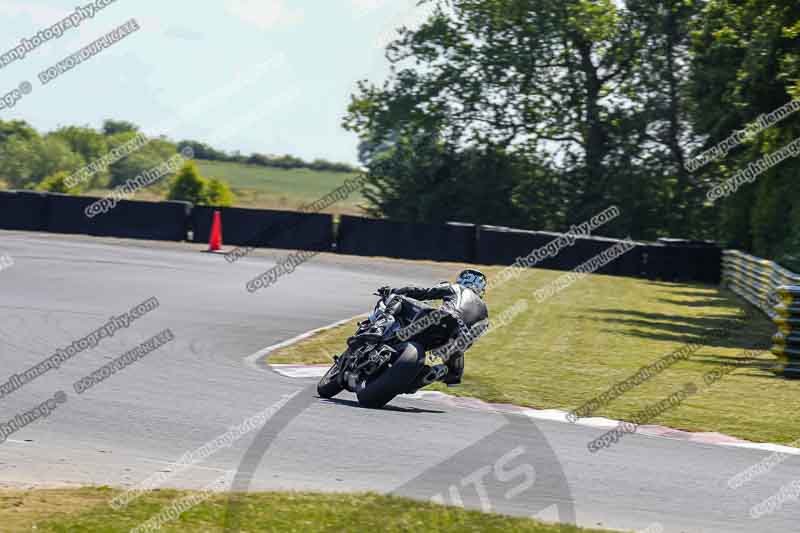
x=302 y=371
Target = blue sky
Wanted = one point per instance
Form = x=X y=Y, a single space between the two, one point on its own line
x=270 y=76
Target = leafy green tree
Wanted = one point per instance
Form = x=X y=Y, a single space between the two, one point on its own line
x=17 y=162
x=18 y=128
x=420 y=178
x=655 y=184
x=746 y=62
x=203 y=151
x=24 y=163
x=417 y=167
x=596 y=103
x=217 y=193
x=540 y=78
x=188 y=185
x=102 y=178
x=151 y=155
x=113 y=127
x=89 y=143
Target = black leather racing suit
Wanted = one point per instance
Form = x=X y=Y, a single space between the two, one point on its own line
x=467 y=309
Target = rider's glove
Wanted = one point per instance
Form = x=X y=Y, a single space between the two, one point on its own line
x=384 y=291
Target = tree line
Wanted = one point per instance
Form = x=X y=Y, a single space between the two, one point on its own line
x=541 y=113
x=204 y=151
x=29 y=159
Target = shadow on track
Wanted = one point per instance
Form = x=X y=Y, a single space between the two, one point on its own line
x=394 y=408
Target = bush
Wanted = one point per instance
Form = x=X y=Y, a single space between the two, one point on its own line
x=188 y=185
x=57 y=183
x=218 y=194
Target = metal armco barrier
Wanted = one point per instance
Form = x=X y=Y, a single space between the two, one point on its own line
x=774 y=290
x=786 y=343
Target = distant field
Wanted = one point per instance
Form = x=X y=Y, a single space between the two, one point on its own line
x=257 y=186
x=265 y=188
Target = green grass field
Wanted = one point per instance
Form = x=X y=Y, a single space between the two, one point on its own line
x=597 y=332
x=87 y=510
x=266 y=187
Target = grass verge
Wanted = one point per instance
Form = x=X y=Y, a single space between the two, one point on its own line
x=87 y=510
x=575 y=345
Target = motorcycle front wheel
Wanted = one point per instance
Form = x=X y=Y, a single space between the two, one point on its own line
x=328 y=386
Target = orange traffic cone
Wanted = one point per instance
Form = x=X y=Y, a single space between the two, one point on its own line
x=215 y=241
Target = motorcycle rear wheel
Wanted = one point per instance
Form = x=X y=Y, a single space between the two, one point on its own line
x=394 y=380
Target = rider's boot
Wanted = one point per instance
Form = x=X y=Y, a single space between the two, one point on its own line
x=434 y=373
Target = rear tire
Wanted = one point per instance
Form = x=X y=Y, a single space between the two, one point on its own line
x=395 y=380
x=328 y=386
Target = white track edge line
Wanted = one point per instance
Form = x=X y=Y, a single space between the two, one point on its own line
x=252 y=360
x=553 y=415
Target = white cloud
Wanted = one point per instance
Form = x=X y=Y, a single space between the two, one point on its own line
x=265 y=14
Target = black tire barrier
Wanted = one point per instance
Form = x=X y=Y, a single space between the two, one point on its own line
x=630 y=264
x=586 y=248
x=23 y=210
x=266 y=228
x=498 y=245
x=129 y=219
x=384 y=238
x=686 y=260
x=504 y=246
x=654 y=260
x=682 y=262
x=668 y=260
x=672 y=260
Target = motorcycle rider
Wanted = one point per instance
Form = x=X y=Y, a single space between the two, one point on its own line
x=463 y=301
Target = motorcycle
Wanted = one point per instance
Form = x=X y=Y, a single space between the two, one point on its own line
x=379 y=366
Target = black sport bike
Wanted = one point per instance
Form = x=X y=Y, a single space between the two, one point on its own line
x=382 y=365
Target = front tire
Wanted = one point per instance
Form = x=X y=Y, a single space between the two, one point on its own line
x=394 y=380
x=328 y=386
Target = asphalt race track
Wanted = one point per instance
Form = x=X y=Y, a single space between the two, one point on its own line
x=143 y=418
